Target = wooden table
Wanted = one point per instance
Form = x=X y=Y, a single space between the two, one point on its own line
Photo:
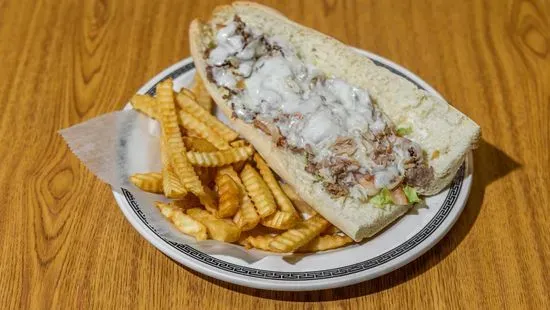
x=65 y=244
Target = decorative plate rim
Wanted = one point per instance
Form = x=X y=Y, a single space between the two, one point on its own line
x=280 y=280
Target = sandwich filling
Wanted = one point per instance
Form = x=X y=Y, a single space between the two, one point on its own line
x=348 y=144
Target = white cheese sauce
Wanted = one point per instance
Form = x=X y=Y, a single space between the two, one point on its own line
x=310 y=110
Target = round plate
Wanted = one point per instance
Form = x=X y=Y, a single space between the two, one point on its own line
x=400 y=243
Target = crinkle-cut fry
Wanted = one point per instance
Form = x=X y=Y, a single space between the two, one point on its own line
x=260 y=242
x=188 y=202
x=258 y=191
x=246 y=217
x=303 y=207
x=239 y=143
x=218 y=229
x=171 y=184
x=206 y=175
x=183 y=222
x=209 y=200
x=281 y=220
x=195 y=125
x=326 y=242
x=331 y=230
x=300 y=235
x=150 y=182
x=172 y=136
x=187 y=92
x=202 y=95
x=281 y=198
x=219 y=158
x=229 y=195
x=196 y=144
x=145 y=104
x=193 y=108
x=238 y=166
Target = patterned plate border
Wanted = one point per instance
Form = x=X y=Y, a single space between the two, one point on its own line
x=418 y=238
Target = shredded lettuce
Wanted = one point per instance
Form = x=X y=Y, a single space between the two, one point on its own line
x=403 y=131
x=411 y=194
x=382 y=198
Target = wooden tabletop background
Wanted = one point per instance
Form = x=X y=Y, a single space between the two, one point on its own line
x=65 y=244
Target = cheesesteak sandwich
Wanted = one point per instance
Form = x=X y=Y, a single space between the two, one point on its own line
x=355 y=140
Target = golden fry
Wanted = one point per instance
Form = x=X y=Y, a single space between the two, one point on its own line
x=302 y=206
x=238 y=166
x=300 y=235
x=327 y=242
x=218 y=229
x=281 y=198
x=208 y=200
x=172 y=136
x=331 y=230
x=172 y=186
x=219 y=158
x=206 y=175
x=188 y=202
x=150 y=182
x=229 y=194
x=239 y=143
x=196 y=144
x=258 y=191
x=202 y=130
x=281 y=220
x=145 y=104
x=258 y=242
x=193 y=108
x=187 y=92
x=183 y=222
x=202 y=95
x=246 y=217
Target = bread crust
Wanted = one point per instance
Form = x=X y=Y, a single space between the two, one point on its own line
x=355 y=218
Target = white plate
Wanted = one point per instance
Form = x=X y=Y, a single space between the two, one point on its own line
x=399 y=244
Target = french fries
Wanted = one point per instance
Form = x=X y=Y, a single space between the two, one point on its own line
x=229 y=195
x=172 y=136
x=202 y=95
x=150 y=182
x=171 y=184
x=217 y=192
x=281 y=198
x=331 y=230
x=281 y=220
x=219 y=229
x=196 y=144
x=303 y=207
x=246 y=217
x=300 y=235
x=183 y=222
x=208 y=200
x=326 y=242
x=188 y=202
x=145 y=104
x=195 y=125
x=258 y=191
x=189 y=93
x=190 y=106
x=260 y=242
x=219 y=158
x=238 y=166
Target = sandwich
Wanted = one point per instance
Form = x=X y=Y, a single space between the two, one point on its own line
x=356 y=141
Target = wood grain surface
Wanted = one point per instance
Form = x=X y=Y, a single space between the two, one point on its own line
x=65 y=244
